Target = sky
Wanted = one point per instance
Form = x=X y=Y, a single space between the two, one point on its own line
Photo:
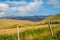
x=29 y=7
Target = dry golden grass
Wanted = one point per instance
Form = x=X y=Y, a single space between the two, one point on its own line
x=7 y=23
x=11 y=21
x=14 y=30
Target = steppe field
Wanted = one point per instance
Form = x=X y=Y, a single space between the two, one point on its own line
x=30 y=30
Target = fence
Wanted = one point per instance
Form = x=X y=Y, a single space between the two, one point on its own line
x=33 y=34
x=49 y=26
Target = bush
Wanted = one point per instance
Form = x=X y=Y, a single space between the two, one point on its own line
x=53 y=22
x=56 y=22
x=15 y=26
x=58 y=35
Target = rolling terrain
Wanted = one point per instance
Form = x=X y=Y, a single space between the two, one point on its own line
x=29 y=30
x=52 y=18
x=10 y=23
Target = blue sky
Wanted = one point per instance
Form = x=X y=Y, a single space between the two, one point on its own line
x=29 y=7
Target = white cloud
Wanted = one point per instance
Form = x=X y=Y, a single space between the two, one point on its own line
x=19 y=8
x=3 y=6
x=30 y=7
x=2 y=14
x=54 y=3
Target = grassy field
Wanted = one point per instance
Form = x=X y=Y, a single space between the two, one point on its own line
x=10 y=23
x=29 y=30
x=32 y=34
x=53 y=18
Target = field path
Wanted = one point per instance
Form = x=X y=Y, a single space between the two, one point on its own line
x=14 y=30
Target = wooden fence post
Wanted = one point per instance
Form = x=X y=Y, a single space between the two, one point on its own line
x=50 y=28
x=18 y=33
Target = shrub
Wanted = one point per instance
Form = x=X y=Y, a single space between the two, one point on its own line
x=58 y=35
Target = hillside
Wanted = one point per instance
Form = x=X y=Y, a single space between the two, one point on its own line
x=53 y=18
x=29 y=30
x=11 y=23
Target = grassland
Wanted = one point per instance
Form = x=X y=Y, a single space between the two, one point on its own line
x=33 y=33
x=29 y=30
x=53 y=18
x=10 y=23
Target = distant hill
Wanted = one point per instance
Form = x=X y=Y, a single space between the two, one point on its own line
x=31 y=18
x=52 y=18
x=11 y=23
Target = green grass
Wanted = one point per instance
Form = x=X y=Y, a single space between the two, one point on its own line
x=8 y=37
x=33 y=34
x=53 y=18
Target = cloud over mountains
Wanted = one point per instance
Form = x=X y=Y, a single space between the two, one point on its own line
x=22 y=8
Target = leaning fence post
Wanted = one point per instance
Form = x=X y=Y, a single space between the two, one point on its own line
x=18 y=33
x=50 y=28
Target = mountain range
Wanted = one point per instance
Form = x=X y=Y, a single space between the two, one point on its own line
x=31 y=18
